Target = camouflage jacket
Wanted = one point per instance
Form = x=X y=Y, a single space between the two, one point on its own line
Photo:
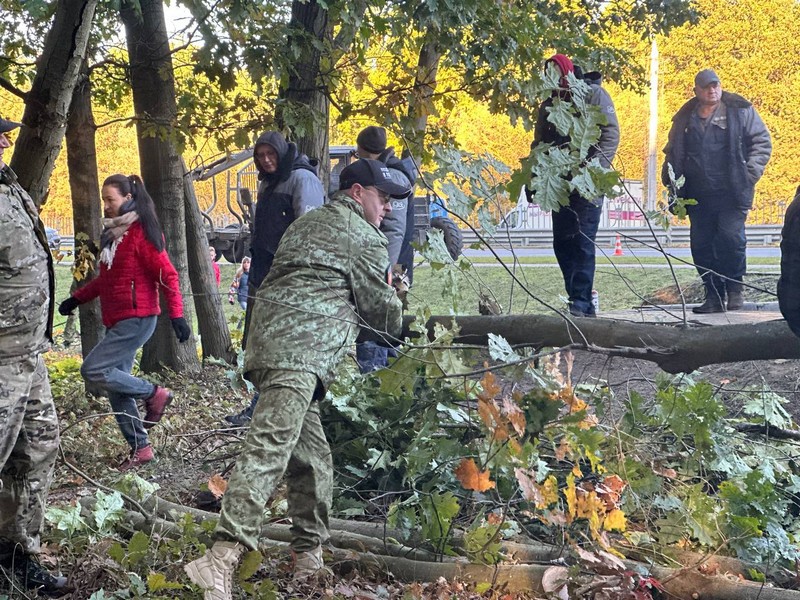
x=26 y=274
x=328 y=280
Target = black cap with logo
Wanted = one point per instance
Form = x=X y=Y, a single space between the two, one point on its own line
x=368 y=172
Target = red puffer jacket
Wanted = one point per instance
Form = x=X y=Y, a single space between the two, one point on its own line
x=129 y=288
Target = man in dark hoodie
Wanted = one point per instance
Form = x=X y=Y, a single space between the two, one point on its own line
x=395 y=226
x=288 y=188
x=720 y=145
x=575 y=225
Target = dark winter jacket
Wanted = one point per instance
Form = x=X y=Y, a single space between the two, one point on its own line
x=395 y=223
x=26 y=272
x=129 y=287
x=789 y=282
x=290 y=192
x=606 y=147
x=749 y=148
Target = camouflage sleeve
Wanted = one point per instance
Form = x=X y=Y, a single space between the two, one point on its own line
x=307 y=193
x=376 y=302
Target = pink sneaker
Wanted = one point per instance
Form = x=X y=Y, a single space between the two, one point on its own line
x=137 y=458
x=156 y=405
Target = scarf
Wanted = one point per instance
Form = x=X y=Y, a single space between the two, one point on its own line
x=114 y=230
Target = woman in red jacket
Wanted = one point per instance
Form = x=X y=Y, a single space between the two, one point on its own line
x=133 y=268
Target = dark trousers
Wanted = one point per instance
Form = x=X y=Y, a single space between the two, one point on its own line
x=719 y=244
x=574 y=232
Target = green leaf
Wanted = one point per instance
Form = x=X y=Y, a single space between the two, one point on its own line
x=157 y=582
x=138 y=547
x=249 y=565
x=500 y=349
x=437 y=514
x=108 y=510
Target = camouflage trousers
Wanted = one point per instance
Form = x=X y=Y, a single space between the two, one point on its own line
x=29 y=439
x=285 y=436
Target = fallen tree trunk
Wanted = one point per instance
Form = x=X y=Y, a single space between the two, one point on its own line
x=675 y=349
x=683 y=584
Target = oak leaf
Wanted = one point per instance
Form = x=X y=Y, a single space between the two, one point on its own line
x=472 y=478
x=217 y=485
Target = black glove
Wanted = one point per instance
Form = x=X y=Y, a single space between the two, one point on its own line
x=182 y=330
x=67 y=306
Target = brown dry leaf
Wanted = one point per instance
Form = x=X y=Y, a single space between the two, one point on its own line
x=665 y=472
x=610 y=490
x=217 y=485
x=490 y=387
x=562 y=450
x=472 y=478
x=491 y=417
x=554 y=581
x=515 y=415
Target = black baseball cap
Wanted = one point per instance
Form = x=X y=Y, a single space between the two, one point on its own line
x=6 y=125
x=366 y=171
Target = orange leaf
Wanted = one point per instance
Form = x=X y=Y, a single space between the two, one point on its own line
x=490 y=387
x=471 y=478
x=217 y=485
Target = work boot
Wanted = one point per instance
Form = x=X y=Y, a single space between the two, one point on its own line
x=32 y=575
x=735 y=300
x=137 y=458
x=241 y=419
x=156 y=404
x=308 y=564
x=214 y=571
x=712 y=304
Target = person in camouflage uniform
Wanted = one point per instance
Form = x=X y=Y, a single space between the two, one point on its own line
x=328 y=280
x=29 y=433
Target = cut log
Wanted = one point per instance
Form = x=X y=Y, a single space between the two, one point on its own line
x=675 y=349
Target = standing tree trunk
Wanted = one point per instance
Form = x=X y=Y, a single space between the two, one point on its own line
x=47 y=103
x=307 y=92
x=421 y=105
x=155 y=106
x=86 y=213
x=214 y=334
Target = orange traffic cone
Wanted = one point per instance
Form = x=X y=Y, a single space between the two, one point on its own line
x=618 y=247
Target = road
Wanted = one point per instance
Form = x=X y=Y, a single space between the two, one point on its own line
x=682 y=252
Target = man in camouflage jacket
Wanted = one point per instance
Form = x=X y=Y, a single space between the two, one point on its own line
x=328 y=280
x=29 y=432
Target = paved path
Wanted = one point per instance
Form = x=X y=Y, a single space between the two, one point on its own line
x=753 y=312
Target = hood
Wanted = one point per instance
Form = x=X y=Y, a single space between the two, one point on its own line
x=404 y=165
x=593 y=78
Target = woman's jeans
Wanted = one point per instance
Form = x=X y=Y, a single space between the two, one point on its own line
x=108 y=367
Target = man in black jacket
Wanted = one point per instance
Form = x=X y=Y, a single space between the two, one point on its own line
x=288 y=188
x=397 y=226
x=575 y=225
x=719 y=143
x=789 y=282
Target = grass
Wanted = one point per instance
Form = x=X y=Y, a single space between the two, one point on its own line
x=617 y=289
x=540 y=283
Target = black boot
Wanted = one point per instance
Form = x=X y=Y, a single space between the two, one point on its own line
x=243 y=418
x=714 y=302
x=735 y=295
x=32 y=575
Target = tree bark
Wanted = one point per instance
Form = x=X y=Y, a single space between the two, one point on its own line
x=47 y=102
x=154 y=102
x=674 y=349
x=215 y=337
x=86 y=214
x=307 y=90
x=422 y=104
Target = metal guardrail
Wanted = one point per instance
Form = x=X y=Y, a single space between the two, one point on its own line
x=757 y=235
x=678 y=235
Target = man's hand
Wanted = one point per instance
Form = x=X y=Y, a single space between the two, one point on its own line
x=401 y=283
x=182 y=329
x=67 y=306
